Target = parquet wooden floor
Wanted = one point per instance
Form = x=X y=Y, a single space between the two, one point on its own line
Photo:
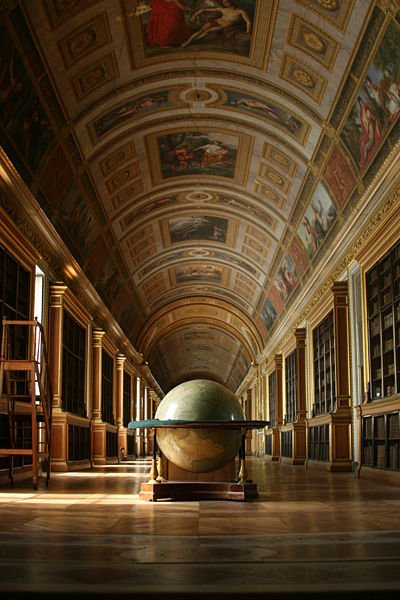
x=311 y=534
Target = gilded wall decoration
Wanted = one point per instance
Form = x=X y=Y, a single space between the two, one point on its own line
x=127 y=194
x=145 y=209
x=303 y=77
x=317 y=220
x=336 y=12
x=117 y=158
x=91 y=78
x=377 y=105
x=280 y=159
x=122 y=177
x=233 y=260
x=127 y=111
x=269 y=110
x=85 y=39
x=339 y=176
x=60 y=11
x=270 y=194
x=312 y=41
x=275 y=178
x=240 y=204
x=201 y=227
x=22 y=114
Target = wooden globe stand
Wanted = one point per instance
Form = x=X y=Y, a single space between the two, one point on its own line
x=197 y=486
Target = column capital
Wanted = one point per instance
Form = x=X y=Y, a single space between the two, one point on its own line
x=278 y=361
x=340 y=288
x=57 y=287
x=56 y=294
x=300 y=334
x=119 y=361
x=97 y=337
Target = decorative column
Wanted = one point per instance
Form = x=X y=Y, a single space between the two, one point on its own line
x=119 y=412
x=98 y=427
x=59 y=441
x=340 y=319
x=56 y=308
x=340 y=448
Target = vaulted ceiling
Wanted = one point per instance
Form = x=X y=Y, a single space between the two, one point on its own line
x=197 y=157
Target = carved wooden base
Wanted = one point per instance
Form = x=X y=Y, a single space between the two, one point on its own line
x=198 y=490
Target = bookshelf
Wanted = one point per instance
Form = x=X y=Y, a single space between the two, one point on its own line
x=381 y=441
x=291 y=388
x=383 y=309
x=324 y=367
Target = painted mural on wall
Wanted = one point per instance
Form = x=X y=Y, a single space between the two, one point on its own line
x=194 y=153
x=268 y=314
x=339 y=176
x=268 y=110
x=317 y=220
x=298 y=255
x=126 y=111
x=186 y=229
x=21 y=112
x=286 y=278
x=377 y=104
x=210 y=25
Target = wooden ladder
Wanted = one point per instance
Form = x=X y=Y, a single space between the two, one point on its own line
x=26 y=389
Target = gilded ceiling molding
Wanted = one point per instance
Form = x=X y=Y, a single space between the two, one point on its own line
x=206 y=304
x=182 y=119
x=184 y=72
x=180 y=325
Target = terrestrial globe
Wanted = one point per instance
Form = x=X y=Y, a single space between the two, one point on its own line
x=199 y=450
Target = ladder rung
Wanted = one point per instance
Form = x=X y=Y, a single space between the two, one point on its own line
x=15 y=452
x=19 y=365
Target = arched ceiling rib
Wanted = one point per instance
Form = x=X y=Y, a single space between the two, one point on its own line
x=203 y=160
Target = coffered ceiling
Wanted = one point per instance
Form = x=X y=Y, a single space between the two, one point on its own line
x=199 y=157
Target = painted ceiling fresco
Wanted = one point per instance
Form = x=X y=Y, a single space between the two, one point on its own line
x=197 y=157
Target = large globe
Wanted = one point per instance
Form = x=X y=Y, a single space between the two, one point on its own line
x=199 y=450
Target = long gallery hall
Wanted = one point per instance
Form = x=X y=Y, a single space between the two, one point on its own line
x=200 y=298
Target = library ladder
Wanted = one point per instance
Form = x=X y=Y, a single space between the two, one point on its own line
x=26 y=390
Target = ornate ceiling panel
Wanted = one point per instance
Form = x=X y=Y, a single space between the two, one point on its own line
x=197 y=157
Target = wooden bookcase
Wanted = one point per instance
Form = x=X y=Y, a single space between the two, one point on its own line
x=107 y=387
x=272 y=398
x=73 y=366
x=381 y=441
x=383 y=307
x=324 y=367
x=291 y=387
